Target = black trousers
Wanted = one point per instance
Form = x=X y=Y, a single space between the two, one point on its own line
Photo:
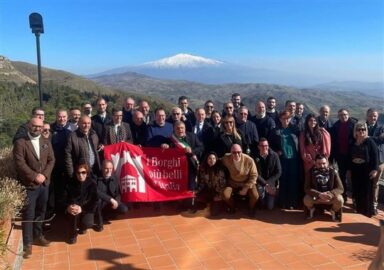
x=104 y=210
x=34 y=212
x=81 y=221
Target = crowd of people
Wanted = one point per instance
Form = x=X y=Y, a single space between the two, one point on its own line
x=285 y=159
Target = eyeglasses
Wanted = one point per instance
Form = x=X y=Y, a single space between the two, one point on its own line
x=82 y=172
x=242 y=113
x=46 y=130
x=229 y=108
x=236 y=152
x=175 y=113
x=118 y=115
x=87 y=108
x=228 y=122
x=361 y=129
x=209 y=106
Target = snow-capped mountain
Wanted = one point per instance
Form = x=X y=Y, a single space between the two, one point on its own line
x=189 y=67
x=183 y=60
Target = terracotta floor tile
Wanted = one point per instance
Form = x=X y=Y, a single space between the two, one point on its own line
x=260 y=256
x=329 y=266
x=347 y=260
x=143 y=266
x=149 y=242
x=32 y=265
x=298 y=266
x=152 y=251
x=134 y=259
x=60 y=257
x=300 y=248
x=57 y=266
x=167 y=235
x=274 y=247
x=215 y=263
x=160 y=261
x=232 y=255
x=242 y=264
x=144 y=234
x=315 y=259
x=286 y=257
x=174 y=243
x=56 y=247
x=84 y=266
x=271 y=265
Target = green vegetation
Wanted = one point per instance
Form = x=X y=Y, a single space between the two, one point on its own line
x=17 y=102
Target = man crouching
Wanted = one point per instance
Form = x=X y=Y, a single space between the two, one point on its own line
x=323 y=186
x=242 y=178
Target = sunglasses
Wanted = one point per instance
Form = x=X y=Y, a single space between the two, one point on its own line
x=229 y=108
x=82 y=172
x=46 y=130
x=228 y=122
x=361 y=129
x=243 y=113
x=209 y=106
x=175 y=113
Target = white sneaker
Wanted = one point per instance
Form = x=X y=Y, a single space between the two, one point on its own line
x=333 y=214
x=311 y=212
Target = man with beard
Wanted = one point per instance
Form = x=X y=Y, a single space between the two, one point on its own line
x=138 y=128
x=271 y=109
x=263 y=122
x=74 y=117
x=323 y=186
x=34 y=161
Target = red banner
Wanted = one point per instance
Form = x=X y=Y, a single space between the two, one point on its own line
x=149 y=174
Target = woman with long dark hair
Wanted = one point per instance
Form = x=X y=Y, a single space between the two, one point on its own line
x=212 y=180
x=82 y=202
x=313 y=140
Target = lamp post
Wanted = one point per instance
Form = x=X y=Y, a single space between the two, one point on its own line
x=36 y=24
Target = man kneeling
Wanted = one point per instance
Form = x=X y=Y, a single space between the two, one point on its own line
x=108 y=190
x=242 y=177
x=323 y=186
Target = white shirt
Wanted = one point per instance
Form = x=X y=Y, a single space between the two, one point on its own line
x=36 y=144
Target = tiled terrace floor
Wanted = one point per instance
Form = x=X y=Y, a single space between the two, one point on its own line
x=145 y=239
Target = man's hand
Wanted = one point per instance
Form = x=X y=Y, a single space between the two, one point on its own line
x=244 y=191
x=188 y=150
x=114 y=203
x=164 y=146
x=40 y=178
x=372 y=174
x=74 y=209
x=324 y=197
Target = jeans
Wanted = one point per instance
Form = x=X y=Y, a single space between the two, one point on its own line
x=34 y=211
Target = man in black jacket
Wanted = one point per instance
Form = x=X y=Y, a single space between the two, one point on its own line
x=108 y=190
x=101 y=119
x=269 y=172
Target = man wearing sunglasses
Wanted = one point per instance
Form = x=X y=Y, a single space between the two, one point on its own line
x=242 y=179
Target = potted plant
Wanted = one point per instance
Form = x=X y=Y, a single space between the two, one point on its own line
x=12 y=198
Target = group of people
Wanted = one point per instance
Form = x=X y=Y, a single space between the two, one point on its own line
x=283 y=158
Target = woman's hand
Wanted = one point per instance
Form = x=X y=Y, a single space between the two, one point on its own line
x=372 y=174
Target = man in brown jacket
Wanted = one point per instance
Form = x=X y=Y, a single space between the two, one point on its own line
x=323 y=186
x=34 y=160
x=242 y=178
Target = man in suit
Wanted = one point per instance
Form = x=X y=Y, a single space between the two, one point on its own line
x=117 y=131
x=34 y=160
x=192 y=147
x=101 y=119
x=202 y=128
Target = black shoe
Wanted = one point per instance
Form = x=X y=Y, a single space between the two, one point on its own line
x=82 y=231
x=47 y=227
x=41 y=241
x=98 y=228
x=27 y=251
x=252 y=212
x=72 y=240
x=231 y=210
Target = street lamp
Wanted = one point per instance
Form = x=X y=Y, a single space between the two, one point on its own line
x=36 y=24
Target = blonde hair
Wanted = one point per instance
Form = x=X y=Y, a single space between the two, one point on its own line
x=358 y=125
x=234 y=130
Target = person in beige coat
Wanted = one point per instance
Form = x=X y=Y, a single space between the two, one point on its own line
x=242 y=178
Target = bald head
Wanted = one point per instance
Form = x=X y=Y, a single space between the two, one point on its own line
x=85 y=124
x=236 y=152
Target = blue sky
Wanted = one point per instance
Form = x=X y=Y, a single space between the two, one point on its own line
x=342 y=38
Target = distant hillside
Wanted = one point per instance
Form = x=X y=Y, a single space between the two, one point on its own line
x=356 y=102
x=370 y=88
x=19 y=94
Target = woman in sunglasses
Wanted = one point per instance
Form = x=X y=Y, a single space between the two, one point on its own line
x=363 y=169
x=82 y=202
x=228 y=137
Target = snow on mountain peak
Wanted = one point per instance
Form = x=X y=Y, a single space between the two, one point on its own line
x=183 y=60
